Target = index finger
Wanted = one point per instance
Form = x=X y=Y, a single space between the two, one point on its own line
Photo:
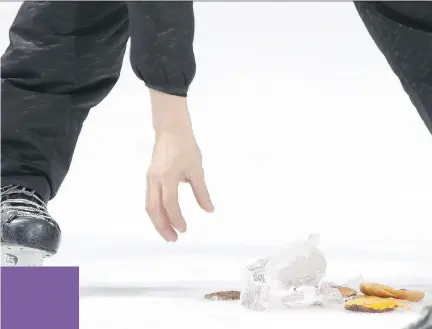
x=200 y=190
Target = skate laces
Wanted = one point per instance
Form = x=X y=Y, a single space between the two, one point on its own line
x=20 y=201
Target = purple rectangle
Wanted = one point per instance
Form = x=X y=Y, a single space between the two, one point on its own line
x=39 y=297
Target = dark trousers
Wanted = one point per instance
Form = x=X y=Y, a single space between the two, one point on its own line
x=71 y=58
x=403 y=33
x=68 y=62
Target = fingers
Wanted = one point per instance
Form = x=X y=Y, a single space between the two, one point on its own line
x=200 y=191
x=157 y=212
x=163 y=207
x=172 y=207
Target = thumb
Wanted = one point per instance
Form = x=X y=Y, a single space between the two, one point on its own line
x=200 y=191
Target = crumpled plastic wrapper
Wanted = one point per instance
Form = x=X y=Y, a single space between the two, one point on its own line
x=291 y=278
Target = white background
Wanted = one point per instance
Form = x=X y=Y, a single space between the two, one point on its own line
x=303 y=129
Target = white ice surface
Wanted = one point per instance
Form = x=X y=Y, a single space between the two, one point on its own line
x=130 y=285
x=304 y=129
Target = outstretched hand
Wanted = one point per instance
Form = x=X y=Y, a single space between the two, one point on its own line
x=176 y=158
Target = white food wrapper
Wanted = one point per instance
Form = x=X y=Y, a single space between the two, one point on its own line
x=291 y=278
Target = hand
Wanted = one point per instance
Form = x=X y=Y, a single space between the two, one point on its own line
x=176 y=158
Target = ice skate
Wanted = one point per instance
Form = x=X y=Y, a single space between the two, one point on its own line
x=28 y=233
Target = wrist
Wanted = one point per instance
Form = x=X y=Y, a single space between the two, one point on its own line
x=170 y=114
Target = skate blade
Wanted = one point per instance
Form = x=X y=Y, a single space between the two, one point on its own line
x=13 y=255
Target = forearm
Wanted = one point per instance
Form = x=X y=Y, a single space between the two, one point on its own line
x=162 y=44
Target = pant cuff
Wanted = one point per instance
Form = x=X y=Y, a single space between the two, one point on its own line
x=39 y=184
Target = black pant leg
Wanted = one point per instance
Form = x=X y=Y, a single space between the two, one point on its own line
x=63 y=59
x=403 y=33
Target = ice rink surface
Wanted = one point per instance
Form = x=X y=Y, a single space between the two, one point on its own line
x=303 y=128
x=126 y=285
